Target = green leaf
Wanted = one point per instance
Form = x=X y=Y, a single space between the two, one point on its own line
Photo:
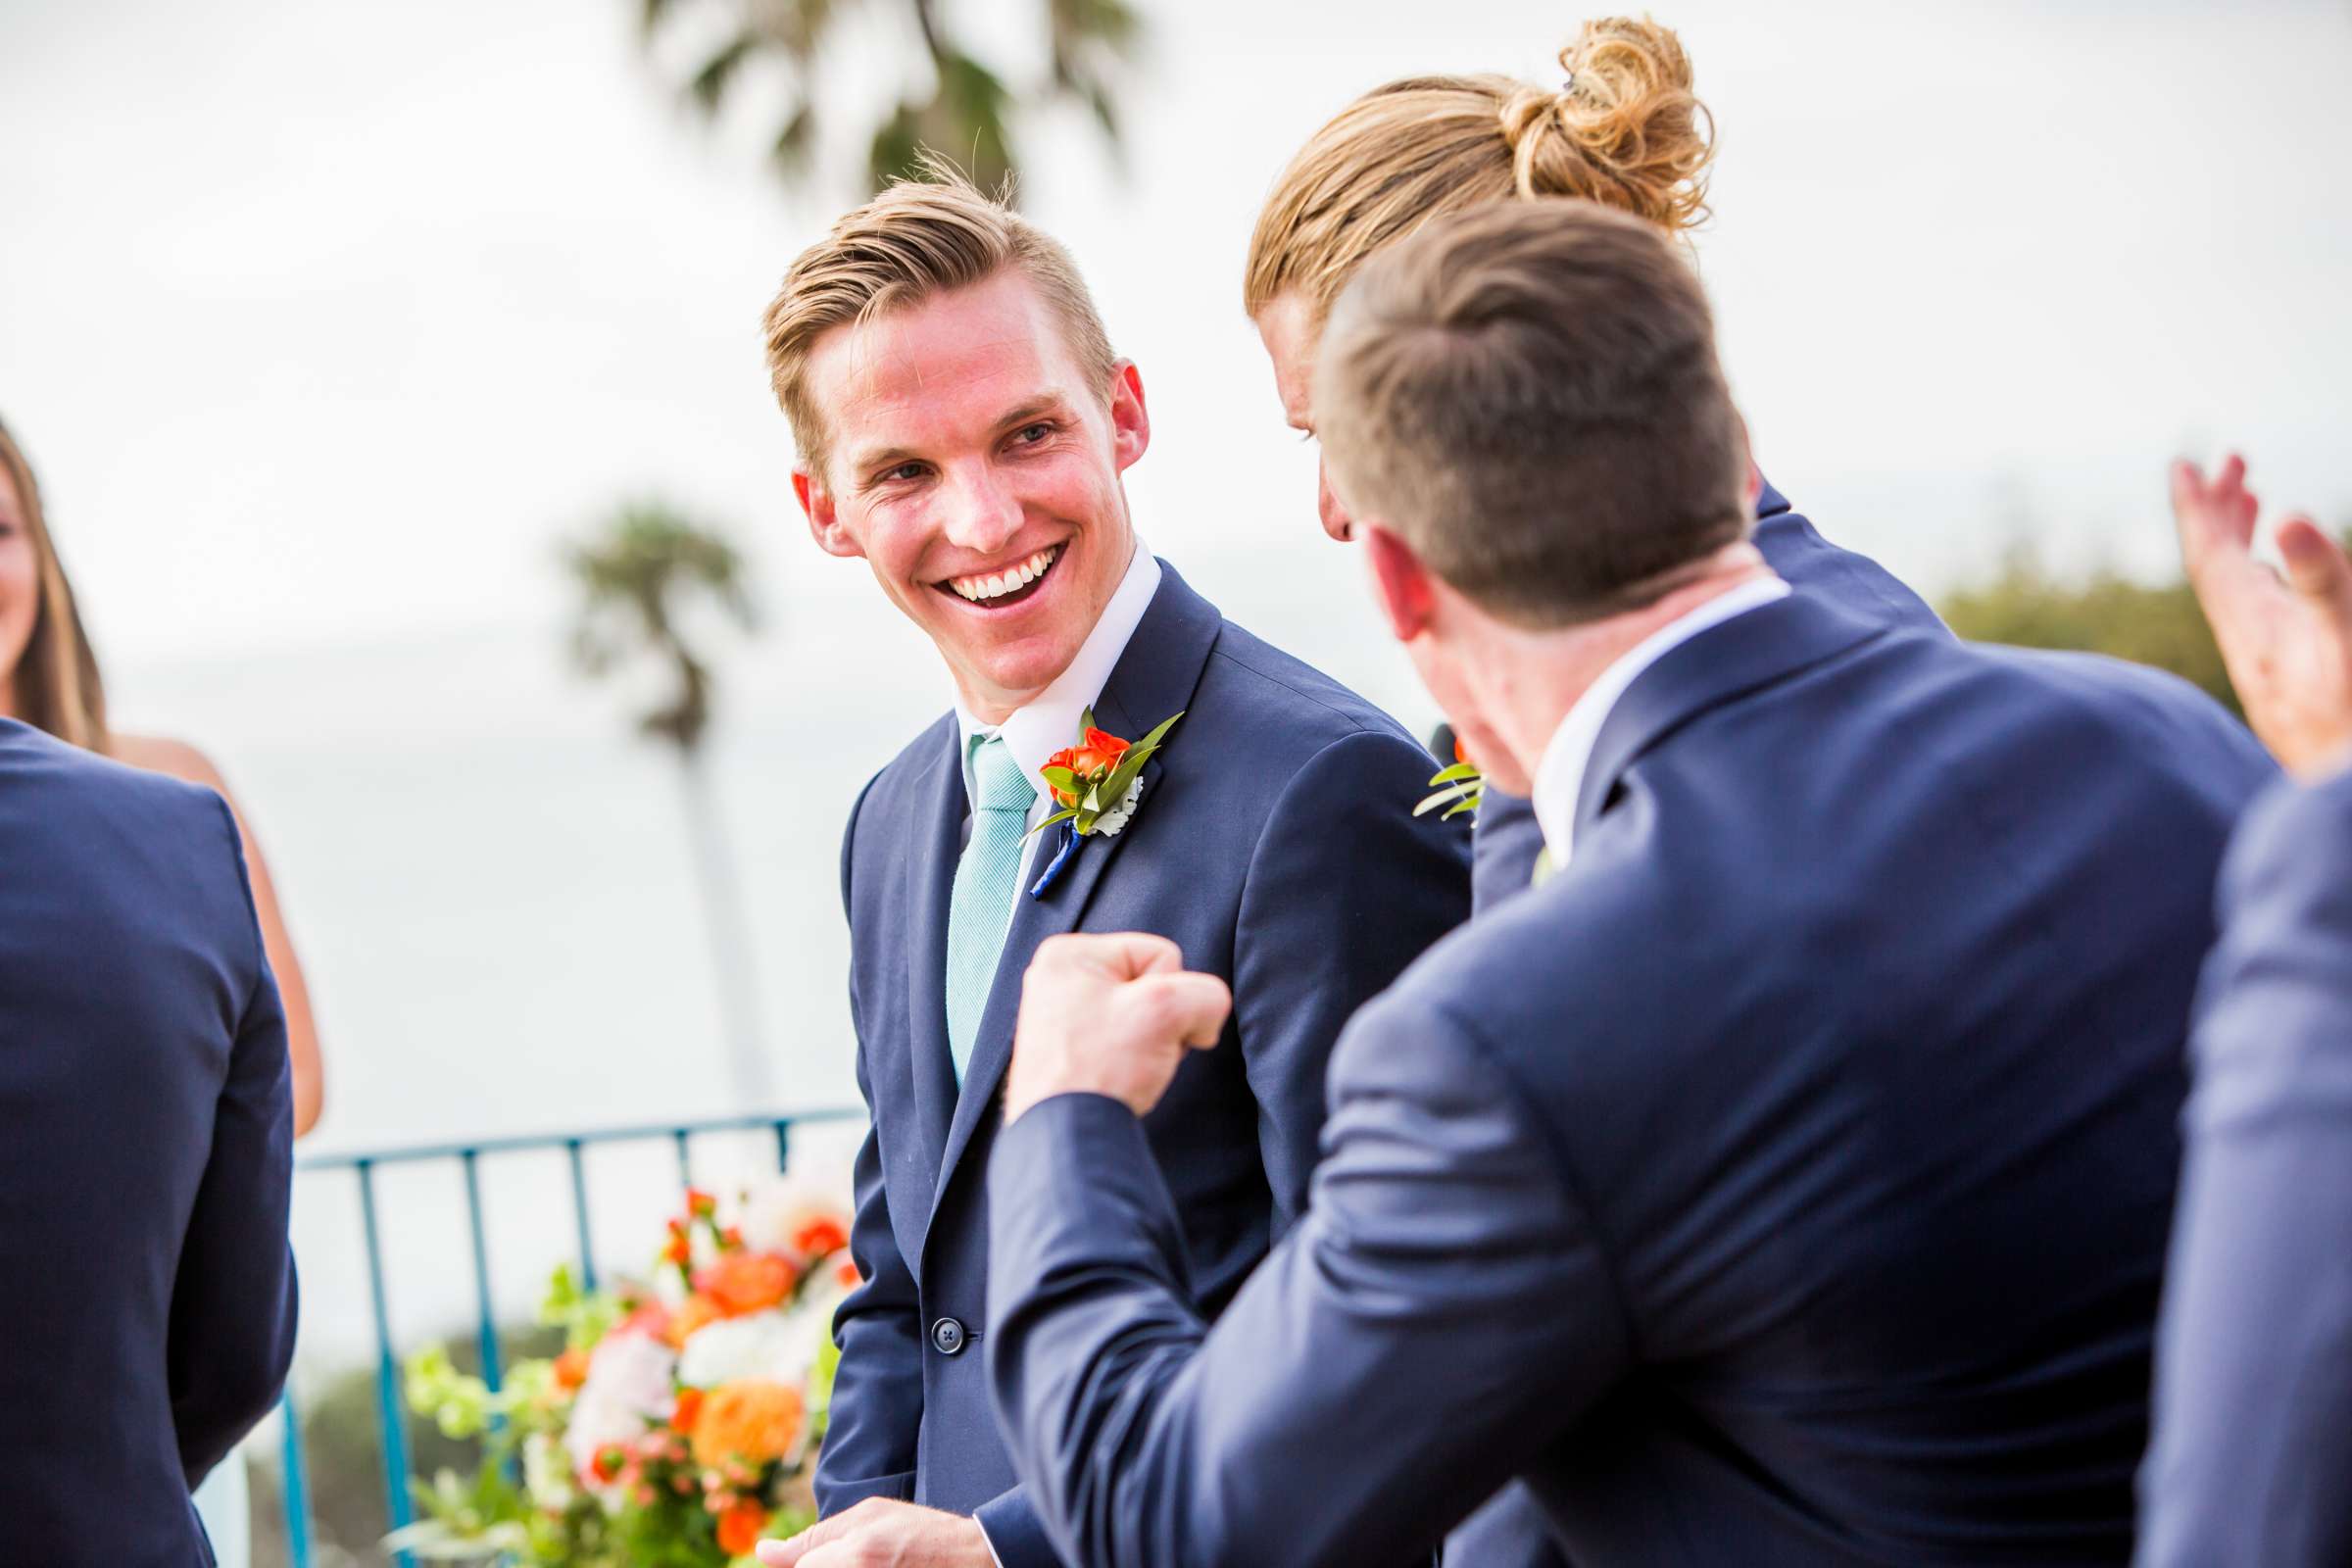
x=1456 y=773
x=1057 y=816
x=1158 y=733
x=1061 y=778
x=1458 y=795
x=1459 y=806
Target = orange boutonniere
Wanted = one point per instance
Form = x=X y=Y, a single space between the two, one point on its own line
x=1096 y=784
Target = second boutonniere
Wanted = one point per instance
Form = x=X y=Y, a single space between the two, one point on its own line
x=1464 y=787
x=1096 y=784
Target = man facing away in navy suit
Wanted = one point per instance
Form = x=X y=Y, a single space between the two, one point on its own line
x=146 y=1147
x=963 y=425
x=1785 y=1180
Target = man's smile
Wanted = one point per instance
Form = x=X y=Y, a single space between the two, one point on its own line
x=1011 y=585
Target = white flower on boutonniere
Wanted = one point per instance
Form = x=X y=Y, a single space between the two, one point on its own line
x=1111 y=821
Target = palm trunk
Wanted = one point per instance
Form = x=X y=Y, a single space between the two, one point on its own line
x=730 y=940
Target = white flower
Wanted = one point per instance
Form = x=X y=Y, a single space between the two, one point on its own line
x=767 y=1346
x=778 y=1209
x=544 y=1473
x=627 y=1387
x=1111 y=821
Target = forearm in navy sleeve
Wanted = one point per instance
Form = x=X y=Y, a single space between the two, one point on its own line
x=1442 y=1312
x=2253 y=1408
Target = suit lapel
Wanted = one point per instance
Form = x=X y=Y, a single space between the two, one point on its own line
x=1154 y=677
x=1745 y=654
x=938 y=829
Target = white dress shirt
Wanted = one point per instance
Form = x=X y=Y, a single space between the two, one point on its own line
x=1049 y=721
x=1560 y=772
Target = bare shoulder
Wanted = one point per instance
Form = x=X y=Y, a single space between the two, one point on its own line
x=176 y=759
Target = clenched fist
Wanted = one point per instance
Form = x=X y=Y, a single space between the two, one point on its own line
x=1109 y=1015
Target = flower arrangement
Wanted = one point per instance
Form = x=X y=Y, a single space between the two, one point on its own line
x=674 y=1428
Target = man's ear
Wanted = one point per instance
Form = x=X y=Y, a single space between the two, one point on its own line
x=1406 y=593
x=1130 y=422
x=824 y=523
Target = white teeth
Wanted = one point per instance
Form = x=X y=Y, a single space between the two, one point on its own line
x=994 y=585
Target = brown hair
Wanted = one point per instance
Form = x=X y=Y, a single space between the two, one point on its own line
x=1623 y=128
x=917 y=239
x=56 y=681
x=1528 y=396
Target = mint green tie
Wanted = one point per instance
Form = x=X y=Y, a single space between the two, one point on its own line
x=980 y=909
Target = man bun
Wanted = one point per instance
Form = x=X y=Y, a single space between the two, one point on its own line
x=1624 y=126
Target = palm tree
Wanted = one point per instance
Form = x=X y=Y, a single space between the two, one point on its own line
x=964 y=109
x=638 y=579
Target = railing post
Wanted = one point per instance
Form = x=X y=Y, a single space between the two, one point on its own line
x=685 y=1159
x=783 y=1143
x=488 y=1323
x=387 y=1371
x=297 y=1488
x=579 y=1214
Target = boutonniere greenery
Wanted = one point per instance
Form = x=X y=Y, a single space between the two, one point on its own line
x=1096 y=786
x=1465 y=786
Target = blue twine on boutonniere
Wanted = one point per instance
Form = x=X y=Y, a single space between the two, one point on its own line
x=1061 y=857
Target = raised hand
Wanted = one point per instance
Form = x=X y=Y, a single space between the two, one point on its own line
x=881 y=1531
x=2286 y=640
x=1109 y=1015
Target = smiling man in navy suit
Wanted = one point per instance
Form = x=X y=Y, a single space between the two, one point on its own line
x=963 y=425
x=1785 y=1180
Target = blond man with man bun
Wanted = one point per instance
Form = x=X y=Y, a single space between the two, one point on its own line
x=1623 y=127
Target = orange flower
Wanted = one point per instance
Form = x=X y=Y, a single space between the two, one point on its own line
x=700 y=1203
x=746 y=1282
x=1090 y=759
x=739 y=1529
x=818 y=1235
x=750 y=1422
x=731 y=1238
x=609 y=1463
x=696 y=1312
x=846 y=1271
x=688 y=1411
x=571 y=1369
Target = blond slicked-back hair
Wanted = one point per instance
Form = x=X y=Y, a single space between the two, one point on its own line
x=917 y=239
x=1622 y=127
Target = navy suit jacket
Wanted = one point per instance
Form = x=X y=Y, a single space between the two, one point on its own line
x=2252 y=1459
x=1512 y=1531
x=1508 y=839
x=146 y=1139
x=1786 y=1181
x=1275 y=844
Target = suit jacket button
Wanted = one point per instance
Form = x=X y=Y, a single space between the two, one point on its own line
x=946 y=1335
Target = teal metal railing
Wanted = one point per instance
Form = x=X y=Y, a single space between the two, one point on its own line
x=364 y=1164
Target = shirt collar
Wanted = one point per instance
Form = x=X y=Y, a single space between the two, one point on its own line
x=1560 y=772
x=1049 y=721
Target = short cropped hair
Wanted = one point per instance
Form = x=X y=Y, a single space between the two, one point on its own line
x=1529 y=395
x=917 y=239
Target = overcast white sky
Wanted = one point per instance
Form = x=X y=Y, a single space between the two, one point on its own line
x=322 y=321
